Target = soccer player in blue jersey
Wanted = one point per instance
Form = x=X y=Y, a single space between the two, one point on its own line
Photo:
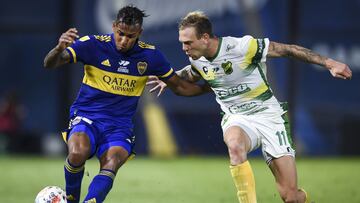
x=116 y=68
x=235 y=70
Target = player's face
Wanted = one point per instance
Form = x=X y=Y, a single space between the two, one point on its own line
x=125 y=35
x=191 y=45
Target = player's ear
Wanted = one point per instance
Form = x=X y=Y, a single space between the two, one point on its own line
x=114 y=24
x=205 y=37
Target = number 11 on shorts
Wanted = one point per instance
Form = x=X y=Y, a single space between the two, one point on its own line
x=282 y=137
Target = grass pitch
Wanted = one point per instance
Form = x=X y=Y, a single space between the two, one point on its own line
x=182 y=180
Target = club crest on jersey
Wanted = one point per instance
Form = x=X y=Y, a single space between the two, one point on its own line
x=227 y=67
x=142 y=66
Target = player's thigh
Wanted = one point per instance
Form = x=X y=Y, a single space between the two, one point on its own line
x=236 y=137
x=79 y=141
x=276 y=139
x=115 y=148
x=81 y=137
x=237 y=129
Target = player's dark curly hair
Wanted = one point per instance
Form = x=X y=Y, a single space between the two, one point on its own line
x=199 y=21
x=130 y=15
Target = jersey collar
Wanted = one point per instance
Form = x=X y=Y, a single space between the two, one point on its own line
x=217 y=51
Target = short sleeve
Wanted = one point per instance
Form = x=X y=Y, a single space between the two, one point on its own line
x=161 y=66
x=254 y=50
x=80 y=50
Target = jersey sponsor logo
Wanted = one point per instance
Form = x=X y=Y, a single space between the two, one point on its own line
x=142 y=66
x=124 y=63
x=229 y=47
x=120 y=83
x=106 y=63
x=122 y=68
x=115 y=83
x=227 y=66
x=236 y=108
x=233 y=91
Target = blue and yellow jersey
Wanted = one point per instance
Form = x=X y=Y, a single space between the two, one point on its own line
x=113 y=81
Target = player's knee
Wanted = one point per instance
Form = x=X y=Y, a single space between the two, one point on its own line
x=237 y=152
x=112 y=163
x=78 y=155
x=236 y=148
x=78 y=148
x=76 y=158
x=113 y=160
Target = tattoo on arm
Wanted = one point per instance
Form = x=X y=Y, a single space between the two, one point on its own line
x=56 y=58
x=295 y=51
x=187 y=74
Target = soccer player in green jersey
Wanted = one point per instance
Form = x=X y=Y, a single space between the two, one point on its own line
x=235 y=70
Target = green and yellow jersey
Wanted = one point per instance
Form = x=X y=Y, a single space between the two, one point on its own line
x=237 y=75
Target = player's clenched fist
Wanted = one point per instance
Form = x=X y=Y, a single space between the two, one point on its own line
x=67 y=38
x=338 y=69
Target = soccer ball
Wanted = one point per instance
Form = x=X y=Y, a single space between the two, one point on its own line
x=51 y=194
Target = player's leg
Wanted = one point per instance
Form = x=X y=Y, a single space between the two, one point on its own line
x=112 y=152
x=284 y=170
x=79 y=143
x=279 y=153
x=78 y=152
x=110 y=161
x=238 y=144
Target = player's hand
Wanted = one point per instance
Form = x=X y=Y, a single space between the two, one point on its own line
x=338 y=69
x=67 y=38
x=158 y=84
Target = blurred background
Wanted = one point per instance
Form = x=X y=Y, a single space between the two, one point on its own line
x=325 y=112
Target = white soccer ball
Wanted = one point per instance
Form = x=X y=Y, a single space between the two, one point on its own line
x=51 y=194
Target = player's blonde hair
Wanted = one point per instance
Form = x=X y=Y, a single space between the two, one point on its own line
x=199 y=21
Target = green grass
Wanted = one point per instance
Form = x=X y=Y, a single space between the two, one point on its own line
x=182 y=180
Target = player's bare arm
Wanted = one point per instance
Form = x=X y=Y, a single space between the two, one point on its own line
x=186 y=74
x=184 y=88
x=58 y=55
x=336 y=68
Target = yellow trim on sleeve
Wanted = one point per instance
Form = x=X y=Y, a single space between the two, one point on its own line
x=73 y=53
x=251 y=51
x=168 y=73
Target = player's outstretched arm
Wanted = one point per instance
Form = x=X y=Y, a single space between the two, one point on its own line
x=58 y=56
x=178 y=86
x=185 y=73
x=336 y=68
x=182 y=87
